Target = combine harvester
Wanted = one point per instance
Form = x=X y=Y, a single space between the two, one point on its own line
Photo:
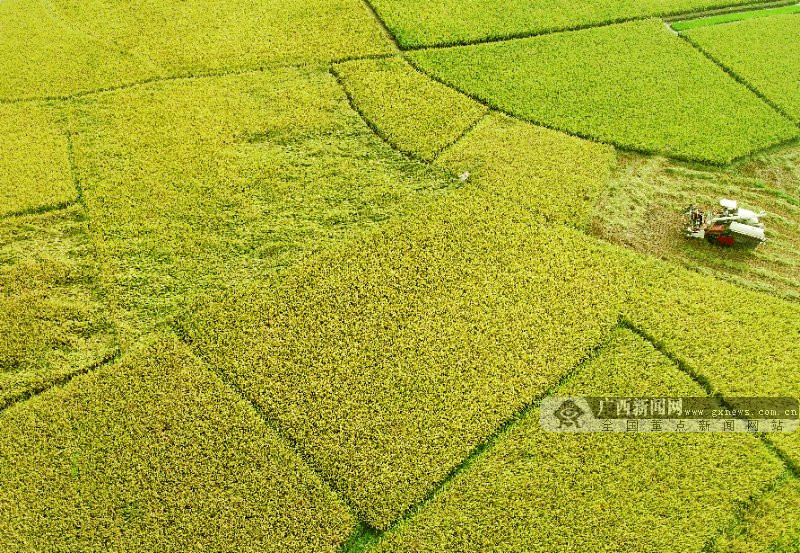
x=727 y=226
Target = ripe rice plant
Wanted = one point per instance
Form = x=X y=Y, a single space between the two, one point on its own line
x=680 y=104
x=43 y=55
x=390 y=358
x=539 y=491
x=419 y=23
x=772 y=524
x=156 y=453
x=416 y=114
x=556 y=175
x=34 y=162
x=180 y=37
x=195 y=186
x=52 y=320
x=762 y=52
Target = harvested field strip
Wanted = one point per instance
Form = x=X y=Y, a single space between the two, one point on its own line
x=151 y=453
x=389 y=359
x=415 y=114
x=34 y=165
x=643 y=205
x=532 y=481
x=52 y=320
x=555 y=175
x=681 y=105
x=760 y=52
x=416 y=23
x=732 y=17
x=235 y=180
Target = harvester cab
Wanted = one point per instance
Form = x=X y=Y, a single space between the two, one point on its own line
x=728 y=225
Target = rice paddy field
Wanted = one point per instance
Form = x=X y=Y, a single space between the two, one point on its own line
x=299 y=276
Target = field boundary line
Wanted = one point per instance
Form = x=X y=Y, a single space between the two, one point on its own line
x=274 y=425
x=739 y=79
x=788 y=463
x=60 y=382
x=490 y=441
x=382 y=24
x=39 y=209
x=487 y=111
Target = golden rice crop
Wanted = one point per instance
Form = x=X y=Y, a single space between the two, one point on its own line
x=390 y=358
x=556 y=175
x=762 y=52
x=540 y=491
x=34 y=161
x=416 y=114
x=156 y=453
x=52 y=319
x=199 y=185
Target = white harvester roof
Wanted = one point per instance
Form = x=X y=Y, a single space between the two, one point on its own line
x=748 y=230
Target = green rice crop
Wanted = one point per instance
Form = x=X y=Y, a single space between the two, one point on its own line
x=762 y=52
x=644 y=203
x=34 y=162
x=772 y=524
x=732 y=17
x=43 y=55
x=680 y=103
x=554 y=174
x=539 y=491
x=199 y=185
x=187 y=37
x=52 y=320
x=390 y=358
x=415 y=114
x=155 y=453
x=418 y=23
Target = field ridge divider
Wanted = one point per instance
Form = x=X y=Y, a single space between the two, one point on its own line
x=504 y=428
x=739 y=79
x=293 y=445
x=35 y=391
x=472 y=126
x=617 y=147
x=788 y=463
x=384 y=27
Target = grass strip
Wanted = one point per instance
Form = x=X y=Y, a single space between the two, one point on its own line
x=732 y=17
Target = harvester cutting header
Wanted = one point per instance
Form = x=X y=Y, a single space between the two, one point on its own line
x=727 y=226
